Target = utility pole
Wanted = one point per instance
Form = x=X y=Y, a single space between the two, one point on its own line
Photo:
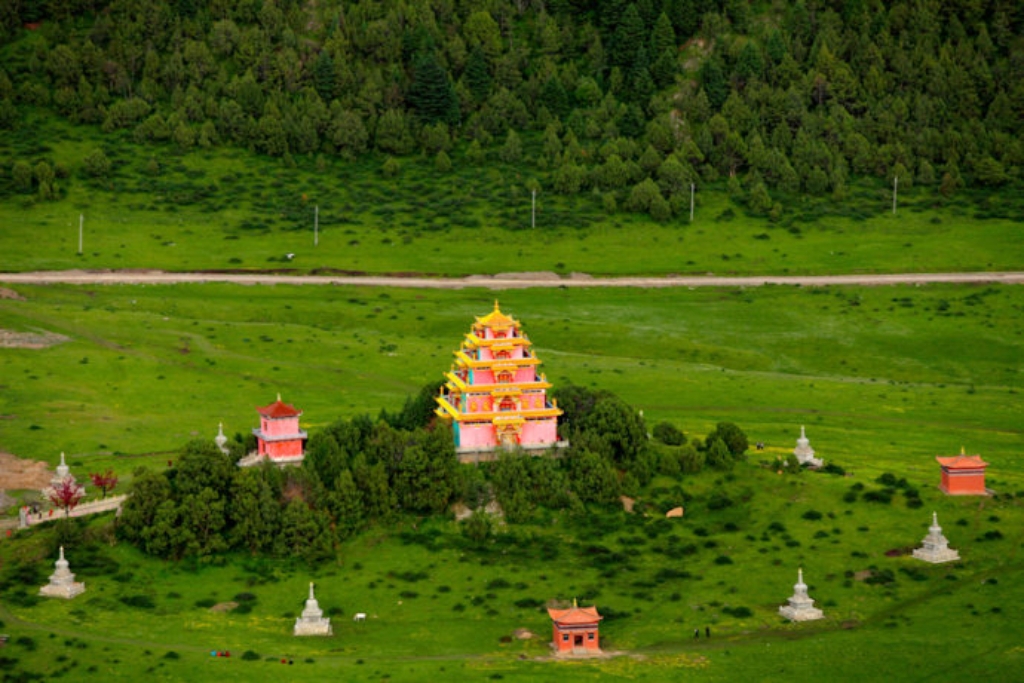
x=316 y=225
x=895 y=184
x=81 y=224
x=692 y=189
x=533 y=210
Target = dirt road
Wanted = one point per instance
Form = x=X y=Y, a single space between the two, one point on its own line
x=524 y=280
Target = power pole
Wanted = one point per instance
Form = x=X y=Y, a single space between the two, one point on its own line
x=692 y=189
x=895 y=184
x=81 y=223
x=533 y=210
x=316 y=225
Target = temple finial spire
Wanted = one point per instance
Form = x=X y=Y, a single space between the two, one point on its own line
x=279 y=396
x=963 y=450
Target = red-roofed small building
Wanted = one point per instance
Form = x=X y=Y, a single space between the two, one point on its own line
x=575 y=629
x=278 y=437
x=963 y=475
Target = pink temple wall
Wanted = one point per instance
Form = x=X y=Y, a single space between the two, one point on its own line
x=483 y=377
x=472 y=436
x=540 y=432
x=281 y=449
x=279 y=427
x=526 y=375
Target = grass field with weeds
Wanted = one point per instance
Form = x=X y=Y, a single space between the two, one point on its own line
x=884 y=379
x=224 y=209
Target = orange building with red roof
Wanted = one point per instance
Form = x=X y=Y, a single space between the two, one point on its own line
x=963 y=475
x=278 y=437
x=575 y=629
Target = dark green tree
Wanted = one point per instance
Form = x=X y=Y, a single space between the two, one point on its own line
x=323 y=75
x=431 y=93
x=714 y=83
x=478 y=74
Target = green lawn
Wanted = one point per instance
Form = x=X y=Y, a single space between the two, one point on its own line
x=235 y=210
x=883 y=378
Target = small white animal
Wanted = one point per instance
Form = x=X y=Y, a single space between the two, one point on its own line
x=360 y=616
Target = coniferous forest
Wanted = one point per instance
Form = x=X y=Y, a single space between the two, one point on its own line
x=630 y=101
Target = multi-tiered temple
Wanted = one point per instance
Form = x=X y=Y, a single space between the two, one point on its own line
x=494 y=396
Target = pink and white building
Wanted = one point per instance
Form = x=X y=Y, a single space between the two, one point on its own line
x=278 y=437
x=494 y=395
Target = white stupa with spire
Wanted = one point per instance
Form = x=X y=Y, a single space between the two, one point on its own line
x=801 y=606
x=803 y=451
x=312 y=621
x=62 y=473
x=221 y=440
x=62 y=581
x=935 y=548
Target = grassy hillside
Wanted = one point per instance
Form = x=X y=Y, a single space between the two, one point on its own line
x=891 y=370
x=883 y=378
x=230 y=209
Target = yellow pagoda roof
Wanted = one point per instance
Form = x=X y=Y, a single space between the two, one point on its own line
x=496 y=318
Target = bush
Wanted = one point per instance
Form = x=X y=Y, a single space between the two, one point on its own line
x=878 y=497
x=669 y=434
x=738 y=612
x=812 y=515
x=139 y=601
x=250 y=656
x=723 y=559
x=719 y=501
x=529 y=603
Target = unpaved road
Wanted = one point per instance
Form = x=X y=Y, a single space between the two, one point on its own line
x=499 y=281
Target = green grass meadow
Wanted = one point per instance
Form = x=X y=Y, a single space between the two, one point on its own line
x=220 y=209
x=883 y=378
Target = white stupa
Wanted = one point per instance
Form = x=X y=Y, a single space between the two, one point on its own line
x=62 y=581
x=803 y=451
x=935 y=548
x=312 y=622
x=220 y=439
x=801 y=607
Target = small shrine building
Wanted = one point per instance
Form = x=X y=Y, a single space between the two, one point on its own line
x=493 y=394
x=962 y=475
x=575 y=630
x=278 y=437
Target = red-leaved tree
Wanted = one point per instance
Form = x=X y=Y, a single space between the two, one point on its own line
x=105 y=481
x=67 y=495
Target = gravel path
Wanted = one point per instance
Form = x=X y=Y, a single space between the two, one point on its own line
x=524 y=280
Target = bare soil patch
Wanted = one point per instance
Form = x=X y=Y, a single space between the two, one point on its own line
x=30 y=340
x=224 y=607
x=17 y=473
x=10 y=294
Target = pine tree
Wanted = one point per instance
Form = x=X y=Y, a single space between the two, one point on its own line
x=477 y=74
x=323 y=76
x=431 y=93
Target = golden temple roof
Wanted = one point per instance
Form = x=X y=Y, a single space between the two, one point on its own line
x=496 y=318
